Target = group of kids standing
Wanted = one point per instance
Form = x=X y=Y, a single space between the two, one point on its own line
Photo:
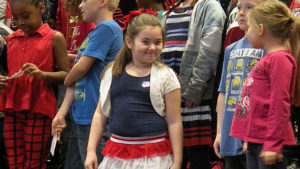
x=151 y=90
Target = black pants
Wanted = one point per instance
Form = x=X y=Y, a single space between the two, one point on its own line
x=3 y=159
x=235 y=162
x=196 y=157
x=255 y=162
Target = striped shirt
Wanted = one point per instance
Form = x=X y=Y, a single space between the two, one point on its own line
x=177 y=23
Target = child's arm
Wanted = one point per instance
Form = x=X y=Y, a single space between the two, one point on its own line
x=59 y=123
x=220 y=112
x=96 y=131
x=174 y=122
x=79 y=69
x=61 y=61
x=280 y=73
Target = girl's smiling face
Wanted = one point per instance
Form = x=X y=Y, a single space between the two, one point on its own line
x=146 y=46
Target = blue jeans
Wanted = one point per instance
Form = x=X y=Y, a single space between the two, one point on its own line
x=255 y=162
x=77 y=146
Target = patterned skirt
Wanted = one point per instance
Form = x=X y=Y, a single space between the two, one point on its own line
x=197 y=125
x=137 y=153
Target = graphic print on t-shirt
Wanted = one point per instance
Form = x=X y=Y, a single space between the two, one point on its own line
x=240 y=63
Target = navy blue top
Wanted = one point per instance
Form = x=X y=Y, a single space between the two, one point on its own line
x=132 y=114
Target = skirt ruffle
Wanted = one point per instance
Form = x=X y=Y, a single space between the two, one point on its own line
x=129 y=151
x=159 y=162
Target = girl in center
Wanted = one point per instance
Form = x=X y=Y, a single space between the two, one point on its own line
x=141 y=97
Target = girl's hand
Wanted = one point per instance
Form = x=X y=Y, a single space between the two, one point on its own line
x=245 y=146
x=32 y=70
x=189 y=104
x=58 y=125
x=91 y=161
x=175 y=166
x=217 y=145
x=270 y=157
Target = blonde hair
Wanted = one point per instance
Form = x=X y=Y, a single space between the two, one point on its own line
x=276 y=17
x=113 y=5
x=135 y=26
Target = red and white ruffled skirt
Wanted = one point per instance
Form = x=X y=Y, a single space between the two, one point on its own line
x=153 y=152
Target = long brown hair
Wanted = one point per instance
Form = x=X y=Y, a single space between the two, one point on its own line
x=135 y=26
x=278 y=20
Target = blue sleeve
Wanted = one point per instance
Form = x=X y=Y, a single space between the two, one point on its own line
x=100 y=42
x=222 y=85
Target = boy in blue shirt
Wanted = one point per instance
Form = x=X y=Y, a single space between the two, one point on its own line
x=239 y=59
x=96 y=51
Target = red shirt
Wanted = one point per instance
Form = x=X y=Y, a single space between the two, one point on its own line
x=8 y=12
x=295 y=5
x=263 y=112
x=61 y=18
x=77 y=32
x=234 y=33
x=26 y=93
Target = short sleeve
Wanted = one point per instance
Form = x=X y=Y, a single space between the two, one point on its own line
x=100 y=42
x=171 y=81
x=222 y=85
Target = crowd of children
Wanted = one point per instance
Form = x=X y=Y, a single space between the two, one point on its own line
x=141 y=89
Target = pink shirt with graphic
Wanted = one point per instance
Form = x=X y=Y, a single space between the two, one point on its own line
x=263 y=111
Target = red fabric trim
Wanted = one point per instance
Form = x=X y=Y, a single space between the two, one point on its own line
x=197 y=128
x=197 y=133
x=8 y=11
x=175 y=42
x=126 y=151
x=143 y=139
x=197 y=141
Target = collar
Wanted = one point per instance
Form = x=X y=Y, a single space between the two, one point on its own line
x=42 y=30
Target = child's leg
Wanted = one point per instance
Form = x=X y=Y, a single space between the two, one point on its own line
x=83 y=138
x=235 y=162
x=37 y=140
x=197 y=157
x=3 y=156
x=14 y=139
x=255 y=162
x=73 y=160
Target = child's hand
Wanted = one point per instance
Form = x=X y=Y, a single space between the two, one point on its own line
x=91 y=161
x=245 y=147
x=32 y=70
x=217 y=145
x=58 y=125
x=270 y=157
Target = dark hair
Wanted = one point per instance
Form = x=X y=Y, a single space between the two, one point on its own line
x=46 y=14
x=33 y=2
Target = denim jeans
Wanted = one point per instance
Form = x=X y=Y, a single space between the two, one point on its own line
x=255 y=162
x=77 y=146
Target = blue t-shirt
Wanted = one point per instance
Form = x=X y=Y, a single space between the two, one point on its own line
x=103 y=43
x=132 y=113
x=239 y=59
